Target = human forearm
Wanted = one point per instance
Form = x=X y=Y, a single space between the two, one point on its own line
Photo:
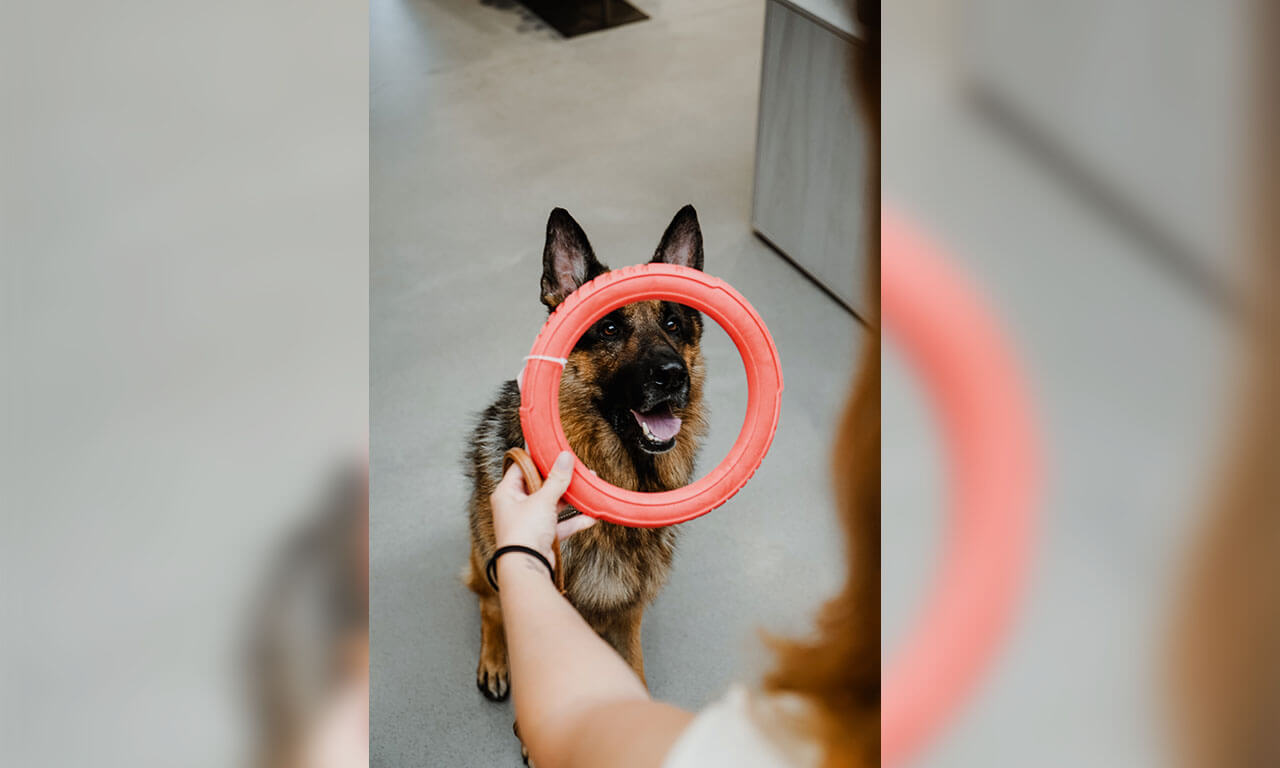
x=560 y=668
x=578 y=704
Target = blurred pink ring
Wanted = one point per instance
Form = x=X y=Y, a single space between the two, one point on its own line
x=987 y=428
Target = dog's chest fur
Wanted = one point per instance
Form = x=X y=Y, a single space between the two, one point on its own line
x=607 y=567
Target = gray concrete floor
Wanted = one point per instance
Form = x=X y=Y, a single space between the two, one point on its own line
x=482 y=121
x=1125 y=364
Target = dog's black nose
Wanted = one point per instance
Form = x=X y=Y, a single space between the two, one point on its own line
x=668 y=375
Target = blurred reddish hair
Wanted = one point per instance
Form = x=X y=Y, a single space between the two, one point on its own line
x=838 y=671
x=1225 y=653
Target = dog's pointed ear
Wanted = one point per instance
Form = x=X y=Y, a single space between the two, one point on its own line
x=682 y=242
x=567 y=259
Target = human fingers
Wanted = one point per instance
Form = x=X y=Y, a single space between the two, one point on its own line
x=566 y=528
x=558 y=479
x=512 y=482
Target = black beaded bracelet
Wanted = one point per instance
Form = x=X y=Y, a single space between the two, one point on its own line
x=491 y=570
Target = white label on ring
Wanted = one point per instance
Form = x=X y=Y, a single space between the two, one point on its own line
x=563 y=361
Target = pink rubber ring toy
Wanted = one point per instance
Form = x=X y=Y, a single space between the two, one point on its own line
x=540 y=391
x=988 y=430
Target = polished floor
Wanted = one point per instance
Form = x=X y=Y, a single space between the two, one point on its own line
x=482 y=120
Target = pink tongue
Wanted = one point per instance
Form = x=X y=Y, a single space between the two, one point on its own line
x=664 y=425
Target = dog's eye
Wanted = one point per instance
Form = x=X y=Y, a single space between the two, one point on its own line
x=671 y=325
x=609 y=328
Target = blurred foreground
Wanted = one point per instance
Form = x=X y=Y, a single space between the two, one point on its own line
x=1105 y=172
x=184 y=203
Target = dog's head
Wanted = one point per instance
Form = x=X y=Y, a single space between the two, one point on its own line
x=634 y=379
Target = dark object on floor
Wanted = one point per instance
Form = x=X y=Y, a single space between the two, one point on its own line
x=578 y=17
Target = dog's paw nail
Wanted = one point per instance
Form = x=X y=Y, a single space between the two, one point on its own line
x=493 y=684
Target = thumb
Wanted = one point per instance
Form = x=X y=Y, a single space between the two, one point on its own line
x=557 y=481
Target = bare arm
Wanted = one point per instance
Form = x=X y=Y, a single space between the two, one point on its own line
x=577 y=702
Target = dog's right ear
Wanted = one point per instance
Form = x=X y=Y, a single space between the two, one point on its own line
x=567 y=259
x=682 y=242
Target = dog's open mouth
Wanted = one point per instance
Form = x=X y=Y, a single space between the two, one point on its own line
x=658 y=429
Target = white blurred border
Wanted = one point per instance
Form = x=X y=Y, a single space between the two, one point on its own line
x=184 y=250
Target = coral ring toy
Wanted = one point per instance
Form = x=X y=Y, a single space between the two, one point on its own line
x=988 y=428
x=540 y=391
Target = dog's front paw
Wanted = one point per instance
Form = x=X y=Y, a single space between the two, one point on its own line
x=493 y=678
x=524 y=751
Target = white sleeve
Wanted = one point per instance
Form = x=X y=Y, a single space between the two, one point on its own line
x=728 y=733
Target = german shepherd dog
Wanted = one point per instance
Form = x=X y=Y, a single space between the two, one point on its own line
x=631 y=407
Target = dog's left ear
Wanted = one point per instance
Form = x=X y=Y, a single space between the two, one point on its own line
x=682 y=242
x=567 y=259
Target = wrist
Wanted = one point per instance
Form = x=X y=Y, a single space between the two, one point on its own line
x=521 y=567
x=513 y=541
x=512 y=558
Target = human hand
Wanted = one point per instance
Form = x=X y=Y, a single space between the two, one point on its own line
x=530 y=519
